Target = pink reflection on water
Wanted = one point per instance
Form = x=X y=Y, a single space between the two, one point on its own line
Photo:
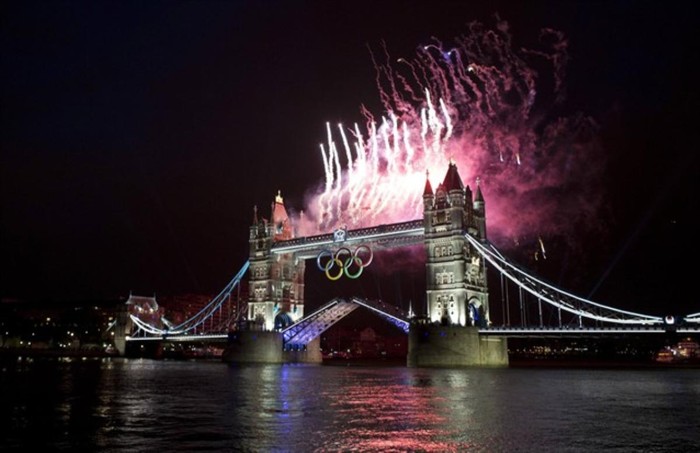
x=393 y=418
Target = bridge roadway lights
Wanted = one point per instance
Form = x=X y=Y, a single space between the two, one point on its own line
x=254 y=346
x=436 y=346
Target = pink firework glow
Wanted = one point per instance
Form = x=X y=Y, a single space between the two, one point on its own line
x=488 y=105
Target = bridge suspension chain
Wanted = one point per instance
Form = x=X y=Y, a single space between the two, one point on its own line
x=558 y=298
x=694 y=318
x=200 y=317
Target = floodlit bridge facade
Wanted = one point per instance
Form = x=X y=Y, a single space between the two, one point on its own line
x=456 y=328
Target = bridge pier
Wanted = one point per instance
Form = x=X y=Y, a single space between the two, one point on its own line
x=433 y=345
x=121 y=327
x=251 y=346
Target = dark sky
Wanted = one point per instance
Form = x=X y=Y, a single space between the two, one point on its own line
x=137 y=136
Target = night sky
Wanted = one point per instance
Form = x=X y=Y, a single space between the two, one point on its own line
x=137 y=136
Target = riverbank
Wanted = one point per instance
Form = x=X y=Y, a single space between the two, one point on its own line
x=16 y=353
x=598 y=363
x=40 y=352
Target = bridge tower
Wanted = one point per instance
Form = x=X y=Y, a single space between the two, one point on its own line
x=276 y=282
x=456 y=286
x=457 y=292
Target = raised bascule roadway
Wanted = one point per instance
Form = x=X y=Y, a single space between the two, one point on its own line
x=456 y=328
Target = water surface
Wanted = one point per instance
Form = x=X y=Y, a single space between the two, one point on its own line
x=135 y=405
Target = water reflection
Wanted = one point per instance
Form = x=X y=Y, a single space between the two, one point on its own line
x=373 y=409
x=138 y=405
x=377 y=412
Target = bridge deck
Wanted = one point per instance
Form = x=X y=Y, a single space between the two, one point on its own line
x=313 y=325
x=583 y=331
x=332 y=317
x=382 y=236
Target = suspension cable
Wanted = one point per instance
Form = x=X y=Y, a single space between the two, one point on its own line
x=539 y=288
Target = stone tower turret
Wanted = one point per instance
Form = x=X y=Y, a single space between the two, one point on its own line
x=457 y=293
x=276 y=282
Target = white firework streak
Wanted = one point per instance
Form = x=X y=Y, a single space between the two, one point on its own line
x=384 y=166
x=473 y=104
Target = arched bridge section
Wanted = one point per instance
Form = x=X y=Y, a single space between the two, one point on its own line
x=298 y=335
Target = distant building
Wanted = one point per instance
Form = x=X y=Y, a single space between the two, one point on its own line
x=56 y=327
x=146 y=309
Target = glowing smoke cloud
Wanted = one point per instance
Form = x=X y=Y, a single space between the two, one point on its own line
x=475 y=102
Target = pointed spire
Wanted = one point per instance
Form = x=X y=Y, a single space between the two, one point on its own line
x=279 y=216
x=452 y=179
x=255 y=214
x=428 y=188
x=479 y=196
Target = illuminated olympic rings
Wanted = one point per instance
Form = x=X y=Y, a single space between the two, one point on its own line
x=349 y=263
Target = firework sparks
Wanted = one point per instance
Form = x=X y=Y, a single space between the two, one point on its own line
x=475 y=103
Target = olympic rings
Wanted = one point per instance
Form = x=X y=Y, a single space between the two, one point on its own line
x=349 y=263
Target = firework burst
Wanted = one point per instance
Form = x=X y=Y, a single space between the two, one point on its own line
x=483 y=103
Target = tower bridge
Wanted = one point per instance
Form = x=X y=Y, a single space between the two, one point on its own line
x=455 y=329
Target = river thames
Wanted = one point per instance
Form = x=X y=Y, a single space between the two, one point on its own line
x=137 y=405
